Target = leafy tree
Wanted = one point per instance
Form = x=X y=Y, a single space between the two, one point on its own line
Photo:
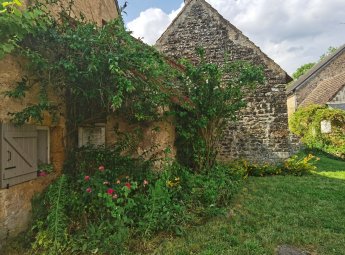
x=302 y=70
x=330 y=51
x=214 y=95
x=306 y=67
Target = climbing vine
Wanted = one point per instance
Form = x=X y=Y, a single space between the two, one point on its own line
x=16 y=24
x=306 y=123
x=96 y=70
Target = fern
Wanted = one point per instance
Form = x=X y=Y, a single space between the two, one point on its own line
x=52 y=233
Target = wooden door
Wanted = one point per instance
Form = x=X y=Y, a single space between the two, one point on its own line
x=18 y=154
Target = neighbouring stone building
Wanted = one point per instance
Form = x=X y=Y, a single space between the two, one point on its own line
x=22 y=148
x=322 y=84
x=261 y=133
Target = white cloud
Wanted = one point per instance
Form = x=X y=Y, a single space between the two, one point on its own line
x=292 y=32
x=151 y=23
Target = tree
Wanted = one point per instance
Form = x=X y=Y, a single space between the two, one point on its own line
x=306 y=67
x=214 y=95
x=302 y=70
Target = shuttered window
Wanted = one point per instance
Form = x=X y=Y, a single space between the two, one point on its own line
x=18 y=159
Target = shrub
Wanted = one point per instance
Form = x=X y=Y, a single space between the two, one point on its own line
x=293 y=166
x=306 y=123
x=299 y=166
x=87 y=159
x=100 y=210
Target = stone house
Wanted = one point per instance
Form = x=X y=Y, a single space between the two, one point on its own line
x=22 y=148
x=261 y=133
x=322 y=84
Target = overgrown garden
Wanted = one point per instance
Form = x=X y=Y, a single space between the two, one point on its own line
x=106 y=201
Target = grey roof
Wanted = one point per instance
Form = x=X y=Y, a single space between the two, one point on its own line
x=325 y=91
x=315 y=70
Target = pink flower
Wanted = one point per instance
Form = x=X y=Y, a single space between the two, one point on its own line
x=89 y=190
x=110 y=191
x=115 y=196
x=128 y=185
x=118 y=182
x=42 y=174
x=87 y=178
x=101 y=168
x=106 y=183
x=145 y=183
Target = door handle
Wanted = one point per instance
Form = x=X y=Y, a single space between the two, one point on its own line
x=9 y=156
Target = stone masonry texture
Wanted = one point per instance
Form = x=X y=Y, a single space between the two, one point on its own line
x=15 y=202
x=261 y=132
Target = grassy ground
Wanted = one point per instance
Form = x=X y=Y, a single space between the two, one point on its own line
x=306 y=212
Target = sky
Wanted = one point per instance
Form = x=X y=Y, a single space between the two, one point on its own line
x=291 y=32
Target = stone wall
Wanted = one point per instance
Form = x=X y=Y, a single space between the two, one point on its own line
x=154 y=139
x=93 y=10
x=261 y=133
x=15 y=209
x=339 y=97
x=291 y=104
x=336 y=67
x=15 y=203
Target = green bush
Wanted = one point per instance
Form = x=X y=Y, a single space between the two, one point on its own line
x=87 y=159
x=101 y=210
x=295 y=165
x=306 y=123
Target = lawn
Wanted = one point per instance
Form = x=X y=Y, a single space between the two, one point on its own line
x=306 y=212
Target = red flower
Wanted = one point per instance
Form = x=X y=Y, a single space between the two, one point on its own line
x=101 y=168
x=87 y=178
x=110 y=191
x=88 y=190
x=128 y=185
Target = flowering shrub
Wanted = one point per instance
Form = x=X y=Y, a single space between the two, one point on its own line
x=102 y=209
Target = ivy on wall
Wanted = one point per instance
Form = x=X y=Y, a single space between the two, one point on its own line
x=306 y=123
x=16 y=24
x=96 y=70
x=99 y=71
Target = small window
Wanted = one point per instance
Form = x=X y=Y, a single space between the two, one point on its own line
x=43 y=145
x=91 y=135
x=326 y=127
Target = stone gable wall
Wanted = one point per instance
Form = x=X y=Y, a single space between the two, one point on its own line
x=333 y=69
x=261 y=133
x=339 y=97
